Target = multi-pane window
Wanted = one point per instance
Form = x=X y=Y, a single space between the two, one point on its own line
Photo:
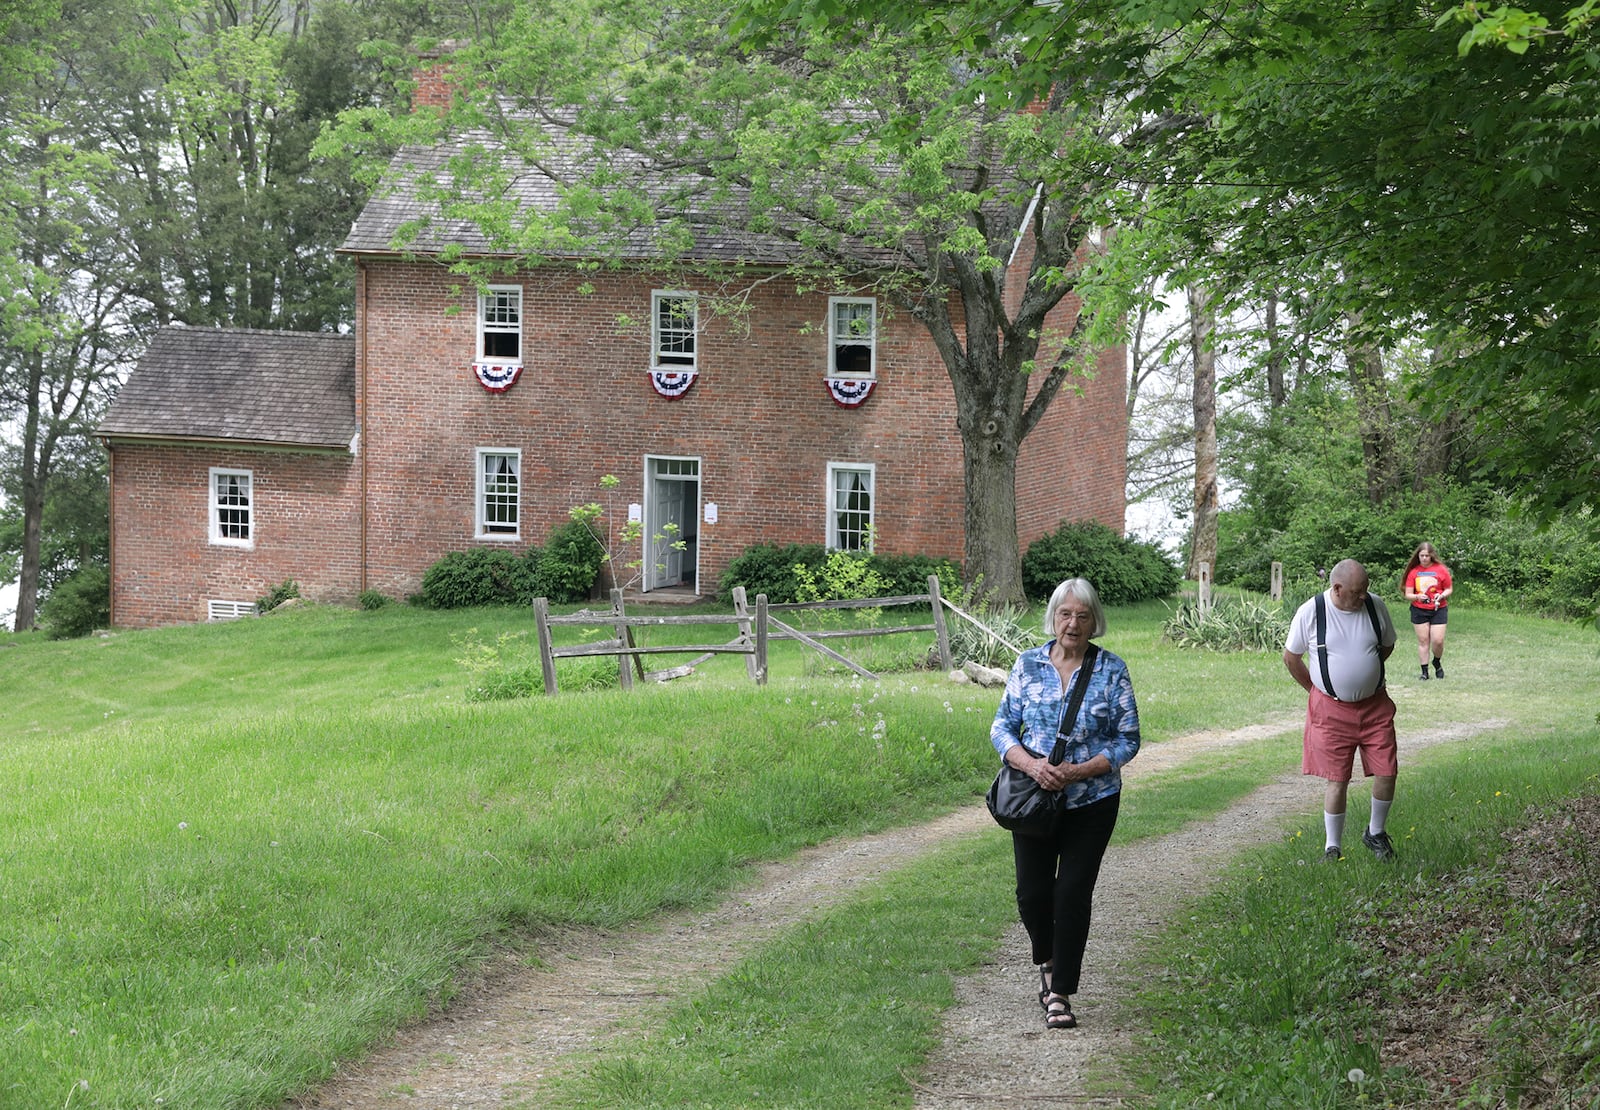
x=674 y=317
x=850 y=488
x=853 y=337
x=231 y=507
x=499 y=492
x=500 y=324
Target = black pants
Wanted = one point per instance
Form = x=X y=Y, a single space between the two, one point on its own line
x=1055 y=886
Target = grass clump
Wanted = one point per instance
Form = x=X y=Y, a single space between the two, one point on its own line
x=1243 y=624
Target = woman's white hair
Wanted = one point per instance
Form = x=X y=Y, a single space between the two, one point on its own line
x=1080 y=590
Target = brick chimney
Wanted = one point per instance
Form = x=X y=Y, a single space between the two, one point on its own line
x=432 y=77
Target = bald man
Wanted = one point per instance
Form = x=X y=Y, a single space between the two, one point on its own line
x=1349 y=710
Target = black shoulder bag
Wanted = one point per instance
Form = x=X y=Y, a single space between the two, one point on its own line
x=1322 y=643
x=1016 y=800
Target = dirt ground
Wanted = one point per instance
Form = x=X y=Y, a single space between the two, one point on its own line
x=515 y=1025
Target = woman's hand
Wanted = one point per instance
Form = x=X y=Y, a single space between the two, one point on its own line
x=1053 y=776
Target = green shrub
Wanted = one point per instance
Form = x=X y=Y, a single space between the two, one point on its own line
x=908 y=574
x=283 y=591
x=1122 y=571
x=374 y=599
x=79 y=605
x=767 y=568
x=479 y=576
x=569 y=565
x=1229 y=625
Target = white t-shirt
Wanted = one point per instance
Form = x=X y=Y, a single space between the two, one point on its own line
x=1353 y=660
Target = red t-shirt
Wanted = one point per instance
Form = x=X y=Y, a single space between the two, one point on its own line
x=1429 y=581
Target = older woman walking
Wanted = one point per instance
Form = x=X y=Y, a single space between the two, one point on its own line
x=1056 y=872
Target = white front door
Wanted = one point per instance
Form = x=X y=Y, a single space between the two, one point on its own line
x=672 y=512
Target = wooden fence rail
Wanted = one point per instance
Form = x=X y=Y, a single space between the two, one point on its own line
x=754 y=630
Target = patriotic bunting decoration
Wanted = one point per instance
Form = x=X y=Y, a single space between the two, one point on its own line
x=497 y=377
x=672 y=384
x=850 y=392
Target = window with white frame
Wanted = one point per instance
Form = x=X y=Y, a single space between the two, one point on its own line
x=499 y=492
x=850 y=492
x=232 y=508
x=674 y=322
x=500 y=324
x=852 y=337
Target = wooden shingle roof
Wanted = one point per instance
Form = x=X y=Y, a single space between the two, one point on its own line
x=240 y=386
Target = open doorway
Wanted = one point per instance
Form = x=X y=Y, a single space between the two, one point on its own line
x=671 y=523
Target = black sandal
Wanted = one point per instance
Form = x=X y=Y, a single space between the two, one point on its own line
x=1058 y=1013
x=1044 y=985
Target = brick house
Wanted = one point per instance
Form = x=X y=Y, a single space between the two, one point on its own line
x=458 y=416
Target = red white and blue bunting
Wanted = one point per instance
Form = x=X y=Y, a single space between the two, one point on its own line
x=672 y=384
x=850 y=392
x=497 y=377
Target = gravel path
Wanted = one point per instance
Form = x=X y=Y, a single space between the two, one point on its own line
x=503 y=1035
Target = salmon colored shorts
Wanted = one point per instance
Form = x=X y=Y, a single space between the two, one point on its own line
x=1335 y=730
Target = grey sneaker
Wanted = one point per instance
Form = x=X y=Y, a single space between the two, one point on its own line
x=1380 y=845
x=1332 y=855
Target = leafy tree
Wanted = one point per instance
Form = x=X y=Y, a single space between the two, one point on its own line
x=1450 y=187
x=856 y=156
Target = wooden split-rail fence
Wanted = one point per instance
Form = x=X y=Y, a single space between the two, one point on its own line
x=756 y=627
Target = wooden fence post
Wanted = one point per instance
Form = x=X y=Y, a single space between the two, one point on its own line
x=761 y=639
x=624 y=660
x=940 y=632
x=741 y=609
x=1205 y=587
x=547 y=659
x=1277 y=581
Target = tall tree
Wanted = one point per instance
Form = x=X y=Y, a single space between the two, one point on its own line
x=1203 y=357
x=866 y=156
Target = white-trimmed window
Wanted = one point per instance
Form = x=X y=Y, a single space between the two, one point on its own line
x=500 y=324
x=674 y=327
x=852 y=337
x=232 y=508
x=850 y=494
x=499 y=493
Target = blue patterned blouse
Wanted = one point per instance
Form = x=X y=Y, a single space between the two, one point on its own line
x=1108 y=724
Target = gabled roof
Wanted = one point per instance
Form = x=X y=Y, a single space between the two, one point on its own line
x=402 y=216
x=241 y=386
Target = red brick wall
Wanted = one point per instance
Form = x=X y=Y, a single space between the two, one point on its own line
x=164 y=567
x=759 y=418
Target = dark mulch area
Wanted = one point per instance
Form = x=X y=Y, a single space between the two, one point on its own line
x=1490 y=988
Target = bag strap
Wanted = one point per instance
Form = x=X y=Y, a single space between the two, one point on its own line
x=1322 y=642
x=1080 y=684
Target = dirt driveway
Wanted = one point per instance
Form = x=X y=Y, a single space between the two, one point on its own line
x=501 y=1037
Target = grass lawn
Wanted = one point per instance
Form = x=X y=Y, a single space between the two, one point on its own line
x=234 y=853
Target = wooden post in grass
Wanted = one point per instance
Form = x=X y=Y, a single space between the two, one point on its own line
x=741 y=609
x=940 y=631
x=1205 y=587
x=1277 y=581
x=547 y=659
x=624 y=660
x=761 y=640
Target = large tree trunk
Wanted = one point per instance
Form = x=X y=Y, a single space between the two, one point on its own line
x=1371 y=389
x=33 y=471
x=1202 y=323
x=1277 y=357
x=993 y=548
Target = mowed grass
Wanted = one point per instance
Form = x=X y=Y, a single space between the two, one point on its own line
x=235 y=853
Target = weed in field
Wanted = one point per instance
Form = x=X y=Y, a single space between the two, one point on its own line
x=1228 y=625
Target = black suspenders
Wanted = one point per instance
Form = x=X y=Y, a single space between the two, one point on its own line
x=1322 y=643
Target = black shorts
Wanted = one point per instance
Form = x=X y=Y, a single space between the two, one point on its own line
x=1419 y=615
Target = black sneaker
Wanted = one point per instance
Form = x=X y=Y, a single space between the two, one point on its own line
x=1438 y=669
x=1332 y=855
x=1379 y=843
x=1425 y=674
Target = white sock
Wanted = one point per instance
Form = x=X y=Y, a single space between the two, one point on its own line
x=1333 y=826
x=1380 y=816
